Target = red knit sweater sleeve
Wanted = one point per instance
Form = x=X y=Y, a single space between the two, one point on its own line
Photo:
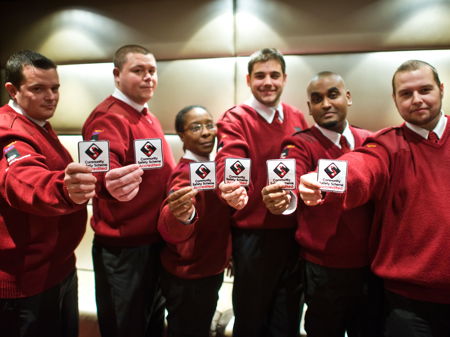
x=171 y=229
x=232 y=142
x=27 y=183
x=367 y=173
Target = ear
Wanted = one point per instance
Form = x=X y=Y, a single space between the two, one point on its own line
x=309 y=107
x=181 y=135
x=11 y=89
x=349 y=98
x=248 y=79
x=441 y=87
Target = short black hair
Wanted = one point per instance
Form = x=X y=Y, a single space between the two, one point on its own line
x=16 y=62
x=120 y=56
x=179 y=119
x=265 y=55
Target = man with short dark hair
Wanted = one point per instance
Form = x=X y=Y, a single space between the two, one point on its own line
x=43 y=199
x=126 y=244
x=403 y=170
x=267 y=283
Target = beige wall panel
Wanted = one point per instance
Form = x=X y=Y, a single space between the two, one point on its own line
x=341 y=26
x=367 y=75
x=83 y=86
x=208 y=82
x=92 y=30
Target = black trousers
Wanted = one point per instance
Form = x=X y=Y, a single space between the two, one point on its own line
x=190 y=303
x=129 y=299
x=52 y=313
x=268 y=283
x=342 y=300
x=410 y=318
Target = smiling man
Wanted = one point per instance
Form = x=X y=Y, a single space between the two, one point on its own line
x=267 y=283
x=126 y=243
x=43 y=197
x=404 y=171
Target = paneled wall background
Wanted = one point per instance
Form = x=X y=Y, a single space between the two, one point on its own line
x=202 y=48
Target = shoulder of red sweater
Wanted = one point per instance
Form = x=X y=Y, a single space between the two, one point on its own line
x=13 y=124
x=360 y=131
x=386 y=131
x=237 y=112
x=115 y=108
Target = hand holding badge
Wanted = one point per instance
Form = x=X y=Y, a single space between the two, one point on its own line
x=332 y=175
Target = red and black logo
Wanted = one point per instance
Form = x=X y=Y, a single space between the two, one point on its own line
x=281 y=170
x=237 y=167
x=332 y=170
x=94 y=151
x=202 y=171
x=148 y=149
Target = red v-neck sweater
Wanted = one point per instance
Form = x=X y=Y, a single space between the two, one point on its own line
x=327 y=235
x=243 y=133
x=132 y=223
x=406 y=176
x=40 y=226
x=200 y=249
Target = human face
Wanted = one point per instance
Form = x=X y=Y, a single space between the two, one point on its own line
x=267 y=82
x=198 y=135
x=328 y=101
x=38 y=93
x=418 y=97
x=138 y=77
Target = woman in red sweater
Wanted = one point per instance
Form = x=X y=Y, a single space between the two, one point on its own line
x=195 y=225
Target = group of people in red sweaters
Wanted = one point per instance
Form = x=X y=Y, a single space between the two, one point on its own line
x=371 y=261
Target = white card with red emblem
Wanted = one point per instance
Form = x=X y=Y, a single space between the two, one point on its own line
x=237 y=169
x=203 y=175
x=148 y=153
x=281 y=170
x=94 y=154
x=332 y=175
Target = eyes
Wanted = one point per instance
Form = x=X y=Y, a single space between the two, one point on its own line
x=198 y=127
x=317 y=98
x=38 y=89
x=141 y=71
x=409 y=93
x=273 y=75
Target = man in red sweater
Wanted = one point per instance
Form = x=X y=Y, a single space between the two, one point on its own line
x=333 y=243
x=126 y=207
x=403 y=170
x=43 y=199
x=267 y=283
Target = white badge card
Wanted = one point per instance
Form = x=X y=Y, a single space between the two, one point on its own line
x=281 y=170
x=332 y=175
x=94 y=154
x=203 y=175
x=148 y=153
x=237 y=169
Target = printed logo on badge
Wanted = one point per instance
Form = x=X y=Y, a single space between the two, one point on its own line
x=94 y=154
x=149 y=153
x=281 y=170
x=332 y=170
x=148 y=149
x=237 y=169
x=203 y=175
x=332 y=175
x=202 y=171
x=93 y=151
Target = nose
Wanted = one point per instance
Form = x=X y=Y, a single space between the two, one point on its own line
x=267 y=80
x=51 y=94
x=205 y=132
x=326 y=103
x=416 y=98
x=148 y=76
